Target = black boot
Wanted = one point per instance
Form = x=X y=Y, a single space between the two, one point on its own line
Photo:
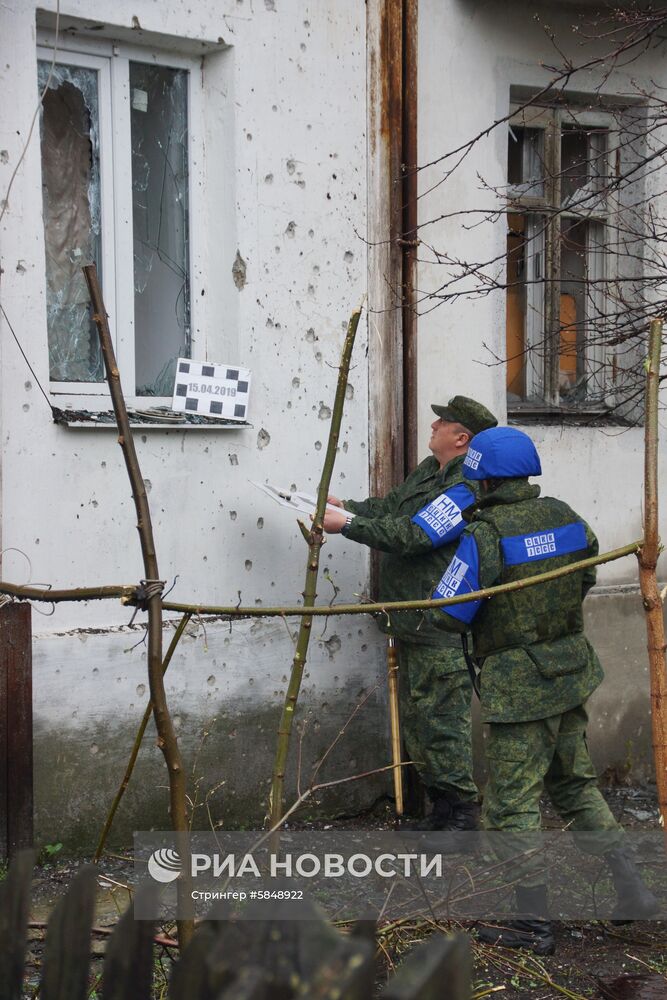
x=531 y=929
x=634 y=901
x=451 y=814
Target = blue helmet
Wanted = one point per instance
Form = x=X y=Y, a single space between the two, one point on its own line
x=501 y=453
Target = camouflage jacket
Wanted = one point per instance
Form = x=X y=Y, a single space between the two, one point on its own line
x=413 y=557
x=536 y=660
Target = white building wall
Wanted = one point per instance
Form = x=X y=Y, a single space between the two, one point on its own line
x=283 y=183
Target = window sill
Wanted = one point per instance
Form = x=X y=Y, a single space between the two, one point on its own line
x=144 y=419
x=591 y=417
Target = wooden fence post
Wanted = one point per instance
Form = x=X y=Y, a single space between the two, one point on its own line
x=16 y=796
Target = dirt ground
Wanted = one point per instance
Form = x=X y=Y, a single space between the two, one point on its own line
x=593 y=959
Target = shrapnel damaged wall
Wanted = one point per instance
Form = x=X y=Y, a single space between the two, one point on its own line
x=282 y=179
x=280 y=261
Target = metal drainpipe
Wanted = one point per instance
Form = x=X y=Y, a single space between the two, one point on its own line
x=409 y=241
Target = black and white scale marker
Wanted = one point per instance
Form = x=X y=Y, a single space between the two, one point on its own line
x=211 y=390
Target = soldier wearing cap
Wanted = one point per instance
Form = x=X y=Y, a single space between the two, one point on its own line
x=416 y=526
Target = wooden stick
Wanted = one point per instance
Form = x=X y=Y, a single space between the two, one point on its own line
x=648 y=582
x=297 y=611
x=134 y=753
x=163 y=722
x=369 y=608
x=276 y=801
x=395 y=722
x=78 y=594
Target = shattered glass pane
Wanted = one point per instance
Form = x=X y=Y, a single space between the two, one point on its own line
x=158 y=97
x=72 y=210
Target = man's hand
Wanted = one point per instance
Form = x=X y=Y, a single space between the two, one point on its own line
x=334 y=500
x=333 y=521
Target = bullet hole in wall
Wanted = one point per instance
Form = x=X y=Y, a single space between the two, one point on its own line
x=239 y=271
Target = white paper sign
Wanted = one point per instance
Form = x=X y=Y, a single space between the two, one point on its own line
x=211 y=390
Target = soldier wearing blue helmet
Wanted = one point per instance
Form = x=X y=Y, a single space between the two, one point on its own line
x=538 y=669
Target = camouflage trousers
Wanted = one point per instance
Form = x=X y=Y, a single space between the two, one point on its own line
x=528 y=758
x=435 y=717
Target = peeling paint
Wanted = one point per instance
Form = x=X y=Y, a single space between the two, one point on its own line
x=263 y=438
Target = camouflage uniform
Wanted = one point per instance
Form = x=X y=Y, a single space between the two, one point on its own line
x=538 y=667
x=435 y=685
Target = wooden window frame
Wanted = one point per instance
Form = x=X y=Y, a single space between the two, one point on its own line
x=542 y=324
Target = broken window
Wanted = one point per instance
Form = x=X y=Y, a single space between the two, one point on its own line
x=115 y=144
x=558 y=171
x=160 y=224
x=71 y=204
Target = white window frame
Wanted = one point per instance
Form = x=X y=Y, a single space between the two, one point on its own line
x=541 y=379
x=111 y=60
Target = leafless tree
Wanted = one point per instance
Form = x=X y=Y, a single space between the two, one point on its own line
x=583 y=269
